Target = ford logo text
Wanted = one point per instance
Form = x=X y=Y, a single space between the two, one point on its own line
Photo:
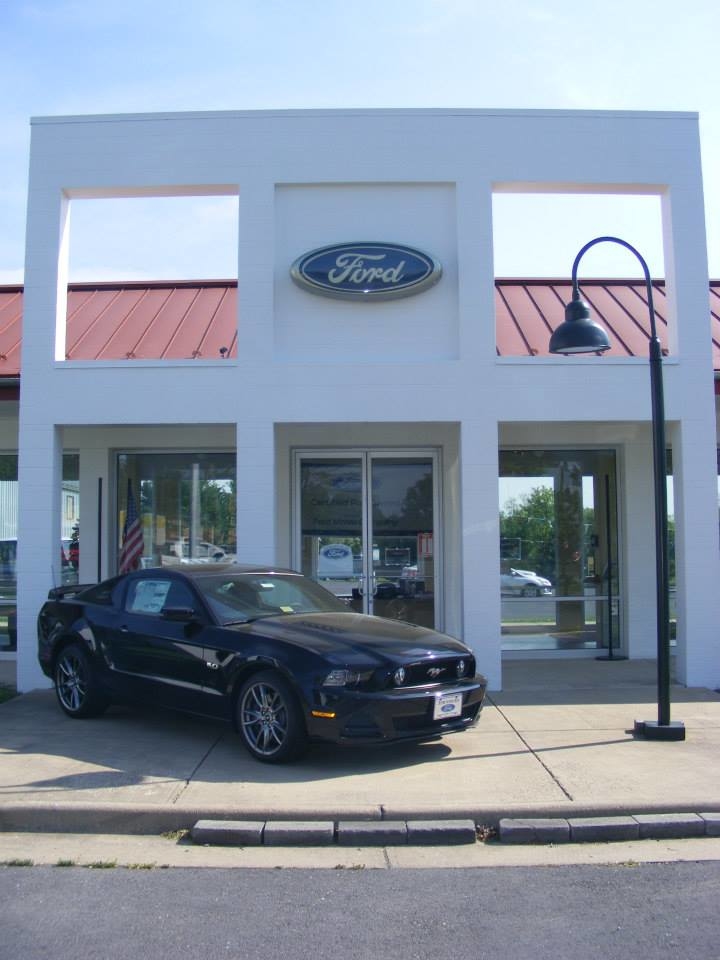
x=366 y=271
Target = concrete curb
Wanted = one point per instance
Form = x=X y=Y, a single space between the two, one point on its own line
x=134 y=818
x=345 y=833
x=600 y=829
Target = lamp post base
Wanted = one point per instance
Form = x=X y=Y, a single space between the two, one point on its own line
x=652 y=730
x=610 y=657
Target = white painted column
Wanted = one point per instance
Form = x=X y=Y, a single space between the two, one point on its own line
x=638 y=546
x=40 y=440
x=697 y=556
x=39 y=561
x=690 y=406
x=256 y=485
x=255 y=267
x=480 y=546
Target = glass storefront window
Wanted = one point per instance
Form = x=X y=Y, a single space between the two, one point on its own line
x=8 y=547
x=64 y=565
x=559 y=578
x=185 y=503
x=70 y=519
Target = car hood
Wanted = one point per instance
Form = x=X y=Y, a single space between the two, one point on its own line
x=354 y=637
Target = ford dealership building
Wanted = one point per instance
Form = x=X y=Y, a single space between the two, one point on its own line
x=367 y=403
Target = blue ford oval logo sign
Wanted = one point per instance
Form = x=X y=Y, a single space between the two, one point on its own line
x=366 y=271
x=336 y=553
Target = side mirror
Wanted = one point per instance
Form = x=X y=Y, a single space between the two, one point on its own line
x=179 y=614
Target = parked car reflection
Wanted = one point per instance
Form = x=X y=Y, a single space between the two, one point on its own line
x=524 y=583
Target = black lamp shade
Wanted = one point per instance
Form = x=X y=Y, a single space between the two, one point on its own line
x=579 y=334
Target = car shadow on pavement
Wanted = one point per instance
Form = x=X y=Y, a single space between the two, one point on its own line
x=139 y=746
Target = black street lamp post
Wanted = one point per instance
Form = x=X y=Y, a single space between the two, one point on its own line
x=580 y=334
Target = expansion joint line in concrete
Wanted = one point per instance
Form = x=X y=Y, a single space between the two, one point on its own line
x=183 y=787
x=533 y=752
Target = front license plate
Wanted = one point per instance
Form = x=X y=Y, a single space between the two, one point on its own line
x=447 y=705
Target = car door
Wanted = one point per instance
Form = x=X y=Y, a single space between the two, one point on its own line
x=156 y=647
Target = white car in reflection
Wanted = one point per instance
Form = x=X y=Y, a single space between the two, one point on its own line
x=202 y=552
x=524 y=583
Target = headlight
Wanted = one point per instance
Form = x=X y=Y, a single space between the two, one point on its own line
x=341 y=678
x=460 y=669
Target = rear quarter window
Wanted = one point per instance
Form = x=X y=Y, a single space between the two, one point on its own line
x=106 y=593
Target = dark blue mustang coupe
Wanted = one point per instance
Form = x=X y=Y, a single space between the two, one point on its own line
x=265 y=648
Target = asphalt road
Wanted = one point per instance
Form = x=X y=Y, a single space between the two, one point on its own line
x=564 y=913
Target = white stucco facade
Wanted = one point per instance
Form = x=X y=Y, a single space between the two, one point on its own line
x=420 y=372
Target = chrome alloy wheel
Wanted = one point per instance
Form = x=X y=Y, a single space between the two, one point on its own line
x=71 y=681
x=76 y=683
x=264 y=718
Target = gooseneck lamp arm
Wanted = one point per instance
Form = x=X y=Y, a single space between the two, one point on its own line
x=579 y=334
x=646 y=272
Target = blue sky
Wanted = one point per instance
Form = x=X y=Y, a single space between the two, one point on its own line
x=89 y=56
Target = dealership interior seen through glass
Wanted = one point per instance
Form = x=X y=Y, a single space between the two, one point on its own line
x=64 y=564
x=367 y=531
x=559 y=558
x=186 y=504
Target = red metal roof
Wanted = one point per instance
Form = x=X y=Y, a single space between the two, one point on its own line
x=133 y=321
x=527 y=311
x=187 y=319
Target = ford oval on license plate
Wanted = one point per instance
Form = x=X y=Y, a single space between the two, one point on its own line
x=447 y=705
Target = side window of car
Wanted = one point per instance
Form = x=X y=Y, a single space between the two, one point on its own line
x=180 y=595
x=147 y=596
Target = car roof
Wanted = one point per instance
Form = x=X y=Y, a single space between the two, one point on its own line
x=197 y=571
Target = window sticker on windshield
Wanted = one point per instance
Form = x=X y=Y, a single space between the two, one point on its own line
x=287 y=609
x=267 y=586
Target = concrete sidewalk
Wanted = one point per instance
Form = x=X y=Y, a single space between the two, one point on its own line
x=557 y=742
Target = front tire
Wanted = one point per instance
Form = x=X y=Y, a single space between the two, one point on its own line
x=75 y=684
x=269 y=718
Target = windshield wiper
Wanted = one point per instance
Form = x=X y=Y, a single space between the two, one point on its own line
x=260 y=616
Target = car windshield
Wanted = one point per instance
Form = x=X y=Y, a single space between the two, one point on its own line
x=239 y=598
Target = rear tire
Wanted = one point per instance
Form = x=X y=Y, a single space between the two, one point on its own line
x=269 y=718
x=76 y=687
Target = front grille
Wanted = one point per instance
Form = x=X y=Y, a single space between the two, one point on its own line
x=425 y=721
x=442 y=670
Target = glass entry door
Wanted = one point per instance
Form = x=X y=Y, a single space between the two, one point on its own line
x=559 y=557
x=365 y=529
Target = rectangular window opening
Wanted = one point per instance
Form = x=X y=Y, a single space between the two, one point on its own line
x=152 y=278
x=533 y=275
